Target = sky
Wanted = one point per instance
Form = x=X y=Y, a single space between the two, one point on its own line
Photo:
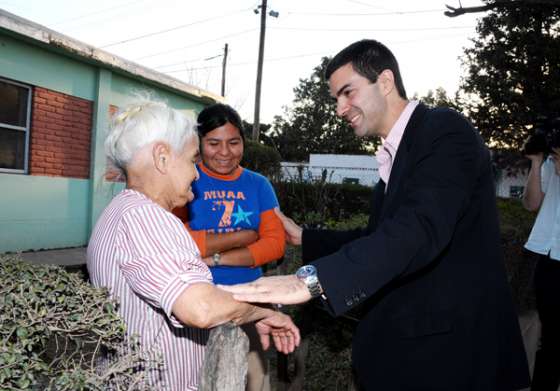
x=185 y=39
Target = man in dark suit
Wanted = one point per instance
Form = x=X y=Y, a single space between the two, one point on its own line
x=427 y=269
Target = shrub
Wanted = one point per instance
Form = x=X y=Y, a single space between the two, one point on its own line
x=320 y=203
x=53 y=326
x=262 y=159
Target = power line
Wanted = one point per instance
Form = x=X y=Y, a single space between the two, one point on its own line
x=373 y=30
x=324 y=53
x=64 y=21
x=365 y=14
x=249 y=62
x=228 y=36
x=187 y=62
x=174 y=28
x=367 y=4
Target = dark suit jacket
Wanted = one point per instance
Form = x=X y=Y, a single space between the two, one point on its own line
x=428 y=270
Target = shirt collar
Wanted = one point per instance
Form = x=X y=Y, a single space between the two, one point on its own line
x=391 y=143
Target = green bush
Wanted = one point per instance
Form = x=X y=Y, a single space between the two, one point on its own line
x=320 y=203
x=53 y=326
x=262 y=159
x=515 y=226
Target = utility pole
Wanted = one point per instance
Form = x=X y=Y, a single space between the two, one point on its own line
x=224 y=63
x=256 y=120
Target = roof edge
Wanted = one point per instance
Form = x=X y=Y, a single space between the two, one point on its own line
x=35 y=32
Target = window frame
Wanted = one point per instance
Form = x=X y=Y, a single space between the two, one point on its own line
x=26 y=129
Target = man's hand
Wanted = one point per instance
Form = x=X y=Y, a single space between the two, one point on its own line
x=293 y=231
x=276 y=290
x=284 y=332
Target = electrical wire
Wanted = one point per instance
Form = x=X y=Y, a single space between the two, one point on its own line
x=373 y=30
x=365 y=14
x=196 y=44
x=324 y=53
x=64 y=21
x=187 y=62
x=174 y=28
x=249 y=62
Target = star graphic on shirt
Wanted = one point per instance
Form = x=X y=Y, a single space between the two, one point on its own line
x=241 y=216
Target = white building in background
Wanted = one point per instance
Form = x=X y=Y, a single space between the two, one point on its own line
x=358 y=169
x=363 y=170
x=508 y=186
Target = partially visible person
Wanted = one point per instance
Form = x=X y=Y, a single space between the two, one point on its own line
x=142 y=253
x=542 y=194
x=427 y=270
x=229 y=198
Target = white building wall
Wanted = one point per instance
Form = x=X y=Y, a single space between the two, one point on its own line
x=364 y=170
x=337 y=168
x=511 y=186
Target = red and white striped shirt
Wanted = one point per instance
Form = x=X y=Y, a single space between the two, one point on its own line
x=146 y=258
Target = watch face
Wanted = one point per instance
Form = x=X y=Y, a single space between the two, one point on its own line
x=306 y=271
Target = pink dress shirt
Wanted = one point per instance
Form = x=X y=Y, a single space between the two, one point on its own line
x=386 y=152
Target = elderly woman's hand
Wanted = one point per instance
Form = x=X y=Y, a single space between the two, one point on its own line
x=284 y=332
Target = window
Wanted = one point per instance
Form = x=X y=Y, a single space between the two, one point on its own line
x=15 y=105
x=516 y=191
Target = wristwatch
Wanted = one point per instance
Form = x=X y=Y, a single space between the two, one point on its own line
x=308 y=274
x=216 y=259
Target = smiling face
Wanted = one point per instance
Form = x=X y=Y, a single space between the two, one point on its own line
x=222 y=149
x=360 y=102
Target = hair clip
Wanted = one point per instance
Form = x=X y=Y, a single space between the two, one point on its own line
x=121 y=117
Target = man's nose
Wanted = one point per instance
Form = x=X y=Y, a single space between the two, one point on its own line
x=341 y=108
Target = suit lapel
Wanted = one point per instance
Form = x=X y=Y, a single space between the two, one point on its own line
x=400 y=163
x=376 y=205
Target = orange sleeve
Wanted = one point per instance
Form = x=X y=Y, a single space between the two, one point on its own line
x=272 y=239
x=199 y=237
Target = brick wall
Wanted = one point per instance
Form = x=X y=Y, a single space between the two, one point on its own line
x=60 y=134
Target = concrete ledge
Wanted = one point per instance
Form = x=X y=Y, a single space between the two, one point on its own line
x=63 y=257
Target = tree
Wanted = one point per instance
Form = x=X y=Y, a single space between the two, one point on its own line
x=261 y=158
x=457 y=11
x=439 y=98
x=311 y=124
x=513 y=74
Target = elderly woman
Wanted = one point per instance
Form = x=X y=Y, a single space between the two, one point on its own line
x=230 y=198
x=149 y=262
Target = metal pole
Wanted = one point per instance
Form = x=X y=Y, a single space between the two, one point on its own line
x=224 y=63
x=256 y=120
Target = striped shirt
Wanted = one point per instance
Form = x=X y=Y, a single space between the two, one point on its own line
x=146 y=258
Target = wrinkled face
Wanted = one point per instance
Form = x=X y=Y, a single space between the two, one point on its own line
x=183 y=173
x=222 y=149
x=359 y=101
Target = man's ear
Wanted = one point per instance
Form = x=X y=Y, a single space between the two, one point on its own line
x=161 y=155
x=386 y=81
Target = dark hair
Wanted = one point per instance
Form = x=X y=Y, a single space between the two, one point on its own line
x=217 y=115
x=369 y=58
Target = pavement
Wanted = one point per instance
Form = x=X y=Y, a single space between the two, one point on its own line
x=63 y=257
x=529 y=322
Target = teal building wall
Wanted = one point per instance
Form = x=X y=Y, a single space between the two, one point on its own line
x=42 y=212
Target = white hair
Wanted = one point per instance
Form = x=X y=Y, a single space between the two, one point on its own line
x=142 y=123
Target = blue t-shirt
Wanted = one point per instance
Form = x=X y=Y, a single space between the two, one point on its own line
x=222 y=205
